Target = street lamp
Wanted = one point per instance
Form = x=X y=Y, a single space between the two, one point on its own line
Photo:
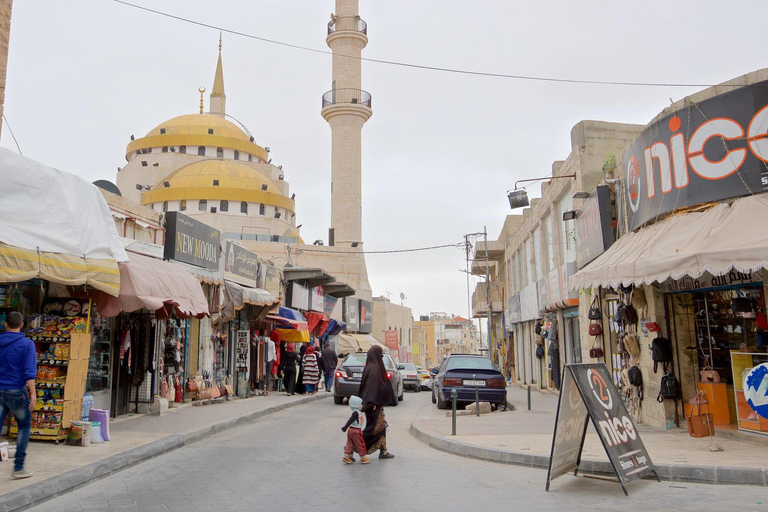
x=518 y=198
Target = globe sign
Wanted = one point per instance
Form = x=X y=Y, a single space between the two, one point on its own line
x=756 y=389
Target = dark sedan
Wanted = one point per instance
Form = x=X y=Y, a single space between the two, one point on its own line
x=346 y=379
x=466 y=373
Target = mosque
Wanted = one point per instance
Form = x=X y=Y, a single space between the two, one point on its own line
x=208 y=166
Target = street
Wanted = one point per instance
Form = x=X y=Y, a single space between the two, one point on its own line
x=291 y=461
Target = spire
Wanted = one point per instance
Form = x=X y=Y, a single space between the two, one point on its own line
x=218 y=97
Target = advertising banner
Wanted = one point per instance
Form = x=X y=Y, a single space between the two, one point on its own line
x=329 y=304
x=366 y=316
x=241 y=265
x=352 y=313
x=190 y=241
x=317 y=299
x=594 y=234
x=271 y=279
x=707 y=151
x=589 y=391
x=391 y=340
x=299 y=298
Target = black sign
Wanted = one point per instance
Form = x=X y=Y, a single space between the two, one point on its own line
x=709 y=150
x=66 y=307
x=589 y=391
x=190 y=241
x=366 y=316
x=352 y=313
x=594 y=234
x=241 y=265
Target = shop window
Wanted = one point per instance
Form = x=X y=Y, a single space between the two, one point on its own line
x=183 y=205
x=219 y=153
x=165 y=206
x=261 y=209
x=224 y=206
x=182 y=149
x=202 y=205
x=201 y=150
x=243 y=207
x=165 y=149
x=237 y=155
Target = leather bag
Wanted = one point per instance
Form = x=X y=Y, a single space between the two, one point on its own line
x=228 y=386
x=594 y=309
x=192 y=386
x=215 y=393
x=700 y=424
x=204 y=393
x=709 y=374
x=596 y=351
x=631 y=345
x=595 y=329
x=222 y=389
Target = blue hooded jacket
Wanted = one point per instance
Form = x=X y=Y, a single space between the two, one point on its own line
x=18 y=360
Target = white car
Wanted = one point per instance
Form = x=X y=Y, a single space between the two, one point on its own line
x=411 y=378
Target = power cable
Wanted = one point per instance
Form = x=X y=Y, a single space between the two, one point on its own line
x=457 y=245
x=416 y=66
x=12 y=135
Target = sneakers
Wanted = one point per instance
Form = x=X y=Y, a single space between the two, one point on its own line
x=364 y=460
x=386 y=455
x=23 y=473
x=347 y=460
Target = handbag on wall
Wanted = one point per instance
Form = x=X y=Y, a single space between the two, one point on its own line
x=709 y=374
x=594 y=309
x=631 y=345
x=596 y=351
x=595 y=329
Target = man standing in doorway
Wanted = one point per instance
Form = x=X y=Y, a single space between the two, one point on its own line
x=330 y=360
x=18 y=369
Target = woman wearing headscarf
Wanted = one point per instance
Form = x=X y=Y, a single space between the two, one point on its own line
x=300 y=378
x=376 y=392
x=311 y=371
x=289 y=368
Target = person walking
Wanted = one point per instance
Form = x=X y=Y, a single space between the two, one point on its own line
x=376 y=392
x=330 y=362
x=289 y=368
x=300 y=389
x=311 y=371
x=18 y=369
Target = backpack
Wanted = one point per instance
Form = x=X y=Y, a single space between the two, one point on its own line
x=635 y=378
x=629 y=315
x=661 y=352
x=670 y=388
x=539 y=352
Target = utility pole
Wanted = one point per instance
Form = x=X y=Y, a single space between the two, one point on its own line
x=469 y=295
x=488 y=294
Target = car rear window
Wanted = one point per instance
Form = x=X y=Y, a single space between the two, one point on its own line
x=409 y=366
x=475 y=363
x=356 y=359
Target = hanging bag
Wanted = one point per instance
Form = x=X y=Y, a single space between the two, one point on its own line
x=700 y=424
x=595 y=329
x=709 y=375
x=670 y=388
x=594 y=310
x=661 y=352
x=631 y=345
x=596 y=352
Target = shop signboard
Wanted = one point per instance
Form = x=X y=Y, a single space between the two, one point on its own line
x=594 y=234
x=243 y=352
x=272 y=276
x=707 y=151
x=299 y=298
x=317 y=299
x=190 y=241
x=66 y=307
x=391 y=340
x=366 y=316
x=589 y=392
x=707 y=281
x=329 y=304
x=352 y=313
x=241 y=265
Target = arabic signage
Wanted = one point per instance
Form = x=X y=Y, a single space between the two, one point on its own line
x=366 y=316
x=708 y=281
x=241 y=265
x=243 y=352
x=707 y=151
x=190 y=241
x=329 y=304
x=590 y=392
x=391 y=340
x=352 y=313
x=270 y=279
x=594 y=234
x=299 y=298
x=317 y=299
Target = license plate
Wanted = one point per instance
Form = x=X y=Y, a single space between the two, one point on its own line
x=357 y=375
x=477 y=383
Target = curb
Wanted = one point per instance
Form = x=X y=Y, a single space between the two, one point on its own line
x=718 y=475
x=49 y=488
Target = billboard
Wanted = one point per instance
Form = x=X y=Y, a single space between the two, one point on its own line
x=190 y=241
x=391 y=340
x=317 y=299
x=299 y=296
x=366 y=316
x=352 y=313
x=241 y=265
x=594 y=234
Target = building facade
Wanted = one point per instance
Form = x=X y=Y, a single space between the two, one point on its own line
x=393 y=327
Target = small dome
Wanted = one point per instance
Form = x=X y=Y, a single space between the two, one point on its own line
x=228 y=173
x=200 y=124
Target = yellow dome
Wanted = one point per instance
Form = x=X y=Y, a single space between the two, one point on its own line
x=218 y=179
x=198 y=130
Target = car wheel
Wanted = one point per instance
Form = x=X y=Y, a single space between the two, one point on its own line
x=441 y=404
x=433 y=397
x=338 y=400
x=402 y=392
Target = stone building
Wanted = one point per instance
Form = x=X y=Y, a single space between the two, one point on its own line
x=392 y=320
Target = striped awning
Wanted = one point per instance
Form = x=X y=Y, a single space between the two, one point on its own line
x=18 y=264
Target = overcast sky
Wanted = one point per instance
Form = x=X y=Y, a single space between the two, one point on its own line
x=441 y=149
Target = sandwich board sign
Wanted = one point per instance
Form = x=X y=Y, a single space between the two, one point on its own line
x=588 y=393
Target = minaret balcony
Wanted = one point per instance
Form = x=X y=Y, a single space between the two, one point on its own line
x=347 y=23
x=347 y=96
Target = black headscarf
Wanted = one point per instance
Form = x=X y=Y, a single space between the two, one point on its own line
x=375 y=388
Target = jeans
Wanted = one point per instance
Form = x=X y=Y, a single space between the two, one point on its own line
x=16 y=401
x=329 y=379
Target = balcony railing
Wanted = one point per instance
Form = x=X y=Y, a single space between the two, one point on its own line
x=354 y=96
x=353 y=23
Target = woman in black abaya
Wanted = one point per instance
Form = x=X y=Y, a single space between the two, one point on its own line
x=376 y=392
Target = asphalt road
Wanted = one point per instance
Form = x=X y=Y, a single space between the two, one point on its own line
x=291 y=461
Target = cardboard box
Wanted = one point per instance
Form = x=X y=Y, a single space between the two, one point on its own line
x=79 y=346
x=77 y=373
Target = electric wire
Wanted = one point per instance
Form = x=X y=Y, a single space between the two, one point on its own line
x=459 y=245
x=418 y=66
x=12 y=135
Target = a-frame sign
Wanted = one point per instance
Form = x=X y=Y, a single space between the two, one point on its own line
x=587 y=391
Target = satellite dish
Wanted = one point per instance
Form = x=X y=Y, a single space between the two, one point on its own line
x=402 y=296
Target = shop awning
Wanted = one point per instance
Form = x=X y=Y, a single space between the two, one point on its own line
x=237 y=296
x=347 y=344
x=717 y=240
x=317 y=323
x=291 y=318
x=293 y=336
x=152 y=284
x=55 y=226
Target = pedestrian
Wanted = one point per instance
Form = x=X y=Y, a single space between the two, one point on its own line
x=354 y=430
x=376 y=392
x=289 y=368
x=311 y=371
x=330 y=361
x=18 y=369
x=269 y=357
x=300 y=378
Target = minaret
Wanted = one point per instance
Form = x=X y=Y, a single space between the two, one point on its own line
x=218 y=100
x=346 y=108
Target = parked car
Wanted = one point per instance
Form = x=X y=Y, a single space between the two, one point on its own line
x=346 y=379
x=410 y=375
x=465 y=373
x=426 y=380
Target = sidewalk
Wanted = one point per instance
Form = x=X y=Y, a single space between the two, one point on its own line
x=525 y=437
x=135 y=438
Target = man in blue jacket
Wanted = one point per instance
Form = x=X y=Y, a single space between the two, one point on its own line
x=18 y=369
